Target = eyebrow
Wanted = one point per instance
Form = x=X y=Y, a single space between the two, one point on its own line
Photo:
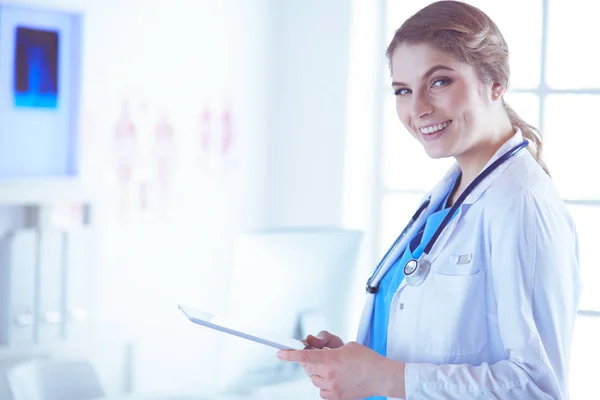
x=427 y=74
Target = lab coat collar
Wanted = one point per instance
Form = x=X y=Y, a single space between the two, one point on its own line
x=439 y=192
x=515 y=140
x=441 y=189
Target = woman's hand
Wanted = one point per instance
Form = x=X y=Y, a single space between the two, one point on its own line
x=351 y=371
x=324 y=339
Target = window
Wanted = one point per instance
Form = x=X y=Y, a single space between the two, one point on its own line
x=555 y=87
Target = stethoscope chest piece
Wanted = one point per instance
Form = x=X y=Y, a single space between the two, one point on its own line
x=415 y=271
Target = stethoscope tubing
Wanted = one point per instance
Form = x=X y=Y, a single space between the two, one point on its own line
x=414 y=268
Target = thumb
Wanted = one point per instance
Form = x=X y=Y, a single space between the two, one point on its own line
x=316 y=341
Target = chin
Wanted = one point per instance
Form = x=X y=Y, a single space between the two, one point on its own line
x=437 y=153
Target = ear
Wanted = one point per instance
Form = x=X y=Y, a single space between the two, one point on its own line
x=497 y=91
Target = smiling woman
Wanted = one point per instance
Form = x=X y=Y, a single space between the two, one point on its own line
x=444 y=105
x=458 y=66
x=477 y=297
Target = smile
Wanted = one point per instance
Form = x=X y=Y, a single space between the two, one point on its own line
x=434 y=128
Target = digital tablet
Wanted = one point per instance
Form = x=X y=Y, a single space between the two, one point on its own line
x=232 y=327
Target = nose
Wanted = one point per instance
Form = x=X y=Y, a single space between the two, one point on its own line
x=420 y=107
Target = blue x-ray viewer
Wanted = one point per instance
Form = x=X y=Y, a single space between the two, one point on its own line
x=35 y=82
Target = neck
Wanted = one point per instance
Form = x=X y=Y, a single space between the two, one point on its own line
x=473 y=160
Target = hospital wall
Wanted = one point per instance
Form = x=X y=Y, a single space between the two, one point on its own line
x=279 y=70
x=308 y=111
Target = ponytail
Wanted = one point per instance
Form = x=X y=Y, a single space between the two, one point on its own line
x=530 y=133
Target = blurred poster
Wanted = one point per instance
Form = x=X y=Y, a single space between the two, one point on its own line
x=159 y=166
x=216 y=140
x=125 y=140
x=164 y=158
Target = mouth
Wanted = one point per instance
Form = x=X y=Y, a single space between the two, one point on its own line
x=434 y=128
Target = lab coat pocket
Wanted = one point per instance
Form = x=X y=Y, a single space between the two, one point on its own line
x=460 y=264
x=453 y=321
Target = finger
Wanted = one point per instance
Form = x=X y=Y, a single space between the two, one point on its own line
x=326 y=338
x=320 y=382
x=302 y=356
x=324 y=335
x=318 y=370
x=307 y=368
x=315 y=341
x=329 y=340
x=315 y=370
x=323 y=339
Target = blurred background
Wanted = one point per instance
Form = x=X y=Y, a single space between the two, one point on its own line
x=242 y=157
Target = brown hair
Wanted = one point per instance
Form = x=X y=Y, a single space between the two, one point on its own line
x=471 y=37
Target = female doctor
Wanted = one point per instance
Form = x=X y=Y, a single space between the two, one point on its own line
x=477 y=299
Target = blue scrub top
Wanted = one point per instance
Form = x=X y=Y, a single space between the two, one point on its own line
x=392 y=279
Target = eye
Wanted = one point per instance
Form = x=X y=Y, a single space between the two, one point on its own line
x=401 y=92
x=441 y=82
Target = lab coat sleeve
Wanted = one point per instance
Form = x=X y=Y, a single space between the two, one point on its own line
x=534 y=267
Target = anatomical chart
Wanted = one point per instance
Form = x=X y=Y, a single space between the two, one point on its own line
x=157 y=163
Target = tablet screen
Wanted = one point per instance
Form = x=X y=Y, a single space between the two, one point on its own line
x=232 y=327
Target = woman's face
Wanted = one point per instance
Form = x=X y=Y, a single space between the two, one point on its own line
x=440 y=100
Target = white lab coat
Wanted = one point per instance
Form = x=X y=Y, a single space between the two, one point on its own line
x=500 y=325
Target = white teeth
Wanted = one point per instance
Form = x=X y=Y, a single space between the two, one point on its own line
x=434 y=128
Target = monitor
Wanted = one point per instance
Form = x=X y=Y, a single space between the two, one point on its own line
x=293 y=282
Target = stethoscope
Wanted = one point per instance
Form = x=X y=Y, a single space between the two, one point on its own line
x=416 y=271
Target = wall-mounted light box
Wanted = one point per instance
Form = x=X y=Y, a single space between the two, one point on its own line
x=35 y=73
x=40 y=70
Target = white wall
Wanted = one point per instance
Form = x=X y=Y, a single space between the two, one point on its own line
x=135 y=52
x=308 y=112
x=151 y=267
x=282 y=66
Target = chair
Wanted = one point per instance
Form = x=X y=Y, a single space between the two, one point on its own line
x=54 y=380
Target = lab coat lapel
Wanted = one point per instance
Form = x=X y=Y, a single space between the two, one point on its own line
x=362 y=336
x=515 y=140
x=437 y=195
x=475 y=194
x=398 y=249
